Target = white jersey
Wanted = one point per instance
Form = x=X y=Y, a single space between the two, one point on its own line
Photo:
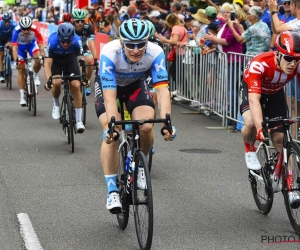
x=116 y=71
x=295 y=25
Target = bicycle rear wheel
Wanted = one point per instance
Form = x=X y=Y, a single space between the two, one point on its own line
x=32 y=95
x=291 y=174
x=83 y=105
x=121 y=184
x=143 y=205
x=260 y=181
x=70 y=109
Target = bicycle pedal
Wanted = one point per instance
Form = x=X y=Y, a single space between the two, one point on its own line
x=251 y=178
x=116 y=210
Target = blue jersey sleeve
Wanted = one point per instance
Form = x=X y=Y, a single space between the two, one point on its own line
x=15 y=34
x=159 y=72
x=107 y=73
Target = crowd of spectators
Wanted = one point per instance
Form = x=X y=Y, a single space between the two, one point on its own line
x=211 y=27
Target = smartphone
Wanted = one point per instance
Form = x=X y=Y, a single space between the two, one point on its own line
x=232 y=16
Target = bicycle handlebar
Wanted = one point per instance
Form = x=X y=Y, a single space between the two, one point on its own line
x=113 y=123
x=71 y=77
x=96 y=67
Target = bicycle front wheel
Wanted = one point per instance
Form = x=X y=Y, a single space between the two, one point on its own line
x=70 y=121
x=121 y=184
x=8 y=73
x=83 y=105
x=32 y=95
x=260 y=181
x=291 y=181
x=143 y=204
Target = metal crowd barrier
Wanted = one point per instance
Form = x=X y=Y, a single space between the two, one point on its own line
x=211 y=82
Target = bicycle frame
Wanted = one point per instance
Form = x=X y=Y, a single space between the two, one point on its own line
x=281 y=156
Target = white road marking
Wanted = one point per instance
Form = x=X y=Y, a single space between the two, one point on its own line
x=28 y=234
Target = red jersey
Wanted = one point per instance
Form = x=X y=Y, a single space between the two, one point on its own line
x=264 y=77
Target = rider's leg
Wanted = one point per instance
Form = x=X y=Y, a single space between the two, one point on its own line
x=35 y=52
x=146 y=131
x=108 y=155
x=89 y=71
x=56 y=89
x=77 y=95
x=21 y=83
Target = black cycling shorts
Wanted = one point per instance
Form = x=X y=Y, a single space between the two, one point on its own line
x=273 y=106
x=68 y=61
x=4 y=41
x=133 y=95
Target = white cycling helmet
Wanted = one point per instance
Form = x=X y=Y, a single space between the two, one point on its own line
x=25 y=22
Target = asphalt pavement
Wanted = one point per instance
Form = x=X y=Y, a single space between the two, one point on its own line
x=202 y=196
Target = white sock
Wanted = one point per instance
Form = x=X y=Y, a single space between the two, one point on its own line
x=34 y=74
x=78 y=112
x=56 y=102
x=22 y=93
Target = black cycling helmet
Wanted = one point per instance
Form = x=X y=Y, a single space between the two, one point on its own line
x=6 y=17
x=65 y=32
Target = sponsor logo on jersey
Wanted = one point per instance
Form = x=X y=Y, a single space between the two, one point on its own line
x=160 y=66
x=106 y=69
x=162 y=76
x=105 y=79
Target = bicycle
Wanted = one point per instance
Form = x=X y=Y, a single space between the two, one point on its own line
x=7 y=67
x=127 y=178
x=84 y=100
x=30 y=89
x=67 y=110
x=283 y=167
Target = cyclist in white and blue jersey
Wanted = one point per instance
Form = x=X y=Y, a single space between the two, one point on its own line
x=6 y=27
x=26 y=38
x=123 y=64
x=64 y=49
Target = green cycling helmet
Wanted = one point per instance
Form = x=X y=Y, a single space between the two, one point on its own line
x=79 y=14
x=151 y=28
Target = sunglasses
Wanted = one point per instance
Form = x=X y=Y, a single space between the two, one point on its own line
x=132 y=46
x=26 y=29
x=79 y=21
x=65 y=42
x=184 y=5
x=290 y=59
x=6 y=21
x=287 y=3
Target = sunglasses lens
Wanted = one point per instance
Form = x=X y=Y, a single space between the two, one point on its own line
x=291 y=58
x=131 y=46
x=286 y=3
x=79 y=21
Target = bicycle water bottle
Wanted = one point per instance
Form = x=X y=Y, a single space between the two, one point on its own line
x=127 y=162
x=127 y=117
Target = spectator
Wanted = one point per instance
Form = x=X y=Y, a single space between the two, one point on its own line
x=165 y=32
x=154 y=17
x=175 y=8
x=38 y=14
x=114 y=25
x=56 y=14
x=50 y=16
x=266 y=18
x=132 y=12
x=179 y=34
x=202 y=18
x=184 y=6
x=287 y=16
x=95 y=19
x=257 y=36
x=241 y=16
x=227 y=43
x=30 y=12
x=191 y=10
x=188 y=20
